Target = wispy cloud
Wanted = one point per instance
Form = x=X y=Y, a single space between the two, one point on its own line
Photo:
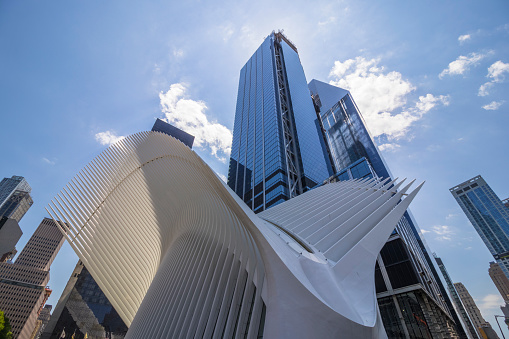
x=441 y=232
x=496 y=72
x=484 y=90
x=178 y=53
x=189 y=115
x=489 y=302
x=463 y=38
x=48 y=161
x=493 y=106
x=451 y=215
x=108 y=138
x=462 y=64
x=389 y=147
x=329 y=20
x=227 y=31
x=382 y=96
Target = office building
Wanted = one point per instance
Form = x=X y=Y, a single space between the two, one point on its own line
x=15 y=200
x=280 y=149
x=42 y=321
x=164 y=127
x=457 y=304
x=500 y=280
x=352 y=147
x=16 y=205
x=506 y=202
x=84 y=310
x=488 y=215
x=344 y=128
x=10 y=233
x=179 y=254
x=23 y=290
x=277 y=152
x=10 y=185
x=482 y=326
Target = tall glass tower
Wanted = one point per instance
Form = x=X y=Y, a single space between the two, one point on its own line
x=353 y=154
x=276 y=153
x=15 y=199
x=488 y=215
x=282 y=148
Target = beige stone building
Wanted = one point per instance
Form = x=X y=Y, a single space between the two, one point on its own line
x=482 y=326
x=23 y=290
x=500 y=280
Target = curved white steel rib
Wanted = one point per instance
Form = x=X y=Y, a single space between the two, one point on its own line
x=178 y=254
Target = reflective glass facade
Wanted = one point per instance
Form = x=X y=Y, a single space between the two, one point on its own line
x=488 y=215
x=354 y=155
x=16 y=205
x=345 y=129
x=8 y=186
x=271 y=83
x=84 y=311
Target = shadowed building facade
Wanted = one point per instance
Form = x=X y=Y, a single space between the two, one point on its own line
x=84 y=310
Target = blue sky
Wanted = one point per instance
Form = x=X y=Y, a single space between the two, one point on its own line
x=431 y=79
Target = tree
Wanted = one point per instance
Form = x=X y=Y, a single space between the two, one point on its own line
x=5 y=327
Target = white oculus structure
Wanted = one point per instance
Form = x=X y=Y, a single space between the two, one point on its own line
x=179 y=255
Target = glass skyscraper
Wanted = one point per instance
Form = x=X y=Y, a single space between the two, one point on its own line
x=352 y=152
x=345 y=129
x=488 y=215
x=15 y=199
x=289 y=137
x=276 y=151
x=457 y=301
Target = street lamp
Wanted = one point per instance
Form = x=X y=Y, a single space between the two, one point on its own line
x=496 y=319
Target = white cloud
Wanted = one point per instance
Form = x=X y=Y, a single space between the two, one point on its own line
x=493 y=106
x=328 y=21
x=497 y=70
x=496 y=73
x=451 y=215
x=389 y=147
x=490 y=301
x=463 y=38
x=49 y=162
x=108 y=137
x=227 y=32
x=423 y=231
x=178 y=53
x=379 y=93
x=484 y=89
x=189 y=115
x=443 y=232
x=462 y=64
